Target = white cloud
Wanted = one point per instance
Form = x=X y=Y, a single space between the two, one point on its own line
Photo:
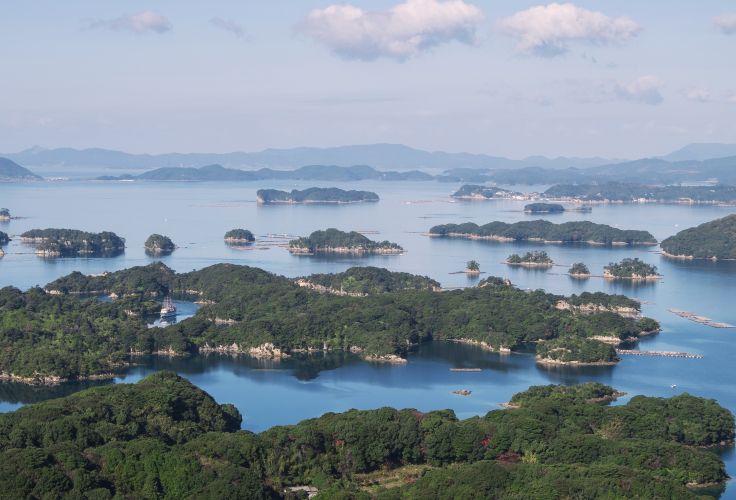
x=645 y=89
x=401 y=32
x=726 y=23
x=548 y=30
x=697 y=94
x=146 y=21
x=230 y=26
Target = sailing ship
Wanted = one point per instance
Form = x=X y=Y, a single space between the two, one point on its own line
x=168 y=309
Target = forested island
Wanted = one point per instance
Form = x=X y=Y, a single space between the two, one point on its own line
x=60 y=333
x=239 y=237
x=335 y=241
x=610 y=192
x=544 y=208
x=11 y=171
x=631 y=269
x=530 y=259
x=4 y=214
x=714 y=240
x=74 y=243
x=579 y=270
x=158 y=244
x=314 y=195
x=477 y=192
x=363 y=281
x=546 y=232
x=4 y=238
x=165 y=438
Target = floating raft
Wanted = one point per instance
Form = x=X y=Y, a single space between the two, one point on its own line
x=703 y=320
x=465 y=369
x=661 y=354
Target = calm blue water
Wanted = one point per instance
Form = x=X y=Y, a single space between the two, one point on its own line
x=196 y=216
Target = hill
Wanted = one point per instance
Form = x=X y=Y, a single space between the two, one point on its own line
x=9 y=170
x=712 y=240
x=315 y=195
x=701 y=151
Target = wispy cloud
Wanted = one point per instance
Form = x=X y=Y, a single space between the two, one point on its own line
x=145 y=22
x=697 y=94
x=230 y=26
x=645 y=89
x=549 y=30
x=401 y=32
x=726 y=23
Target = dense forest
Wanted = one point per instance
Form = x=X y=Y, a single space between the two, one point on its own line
x=4 y=238
x=544 y=208
x=626 y=192
x=712 y=240
x=476 y=191
x=334 y=240
x=542 y=230
x=630 y=269
x=158 y=244
x=165 y=438
x=579 y=269
x=4 y=214
x=59 y=333
x=239 y=236
x=314 y=195
x=536 y=258
x=74 y=243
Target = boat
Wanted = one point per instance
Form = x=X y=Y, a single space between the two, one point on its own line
x=168 y=309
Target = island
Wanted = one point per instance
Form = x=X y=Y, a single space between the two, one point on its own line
x=562 y=441
x=4 y=238
x=53 y=243
x=239 y=237
x=11 y=171
x=715 y=240
x=621 y=192
x=543 y=231
x=631 y=269
x=4 y=214
x=579 y=271
x=544 y=208
x=478 y=192
x=314 y=195
x=530 y=259
x=157 y=244
x=335 y=241
x=363 y=281
x=472 y=268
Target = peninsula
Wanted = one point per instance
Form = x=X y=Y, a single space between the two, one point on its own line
x=543 y=231
x=239 y=237
x=715 y=240
x=619 y=192
x=314 y=195
x=478 y=192
x=530 y=259
x=73 y=243
x=157 y=244
x=631 y=269
x=335 y=241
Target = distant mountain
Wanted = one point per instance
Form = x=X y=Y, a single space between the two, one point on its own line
x=702 y=151
x=383 y=156
x=9 y=170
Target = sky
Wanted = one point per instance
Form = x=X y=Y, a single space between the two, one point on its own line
x=615 y=78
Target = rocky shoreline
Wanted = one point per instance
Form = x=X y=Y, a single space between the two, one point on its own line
x=346 y=250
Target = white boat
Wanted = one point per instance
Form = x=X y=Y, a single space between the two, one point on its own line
x=168 y=309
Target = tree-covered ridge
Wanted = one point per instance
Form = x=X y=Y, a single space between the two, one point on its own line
x=544 y=208
x=239 y=236
x=542 y=230
x=630 y=269
x=712 y=240
x=605 y=300
x=74 y=243
x=9 y=170
x=576 y=350
x=536 y=258
x=165 y=438
x=487 y=192
x=628 y=192
x=371 y=280
x=158 y=244
x=314 y=195
x=334 y=240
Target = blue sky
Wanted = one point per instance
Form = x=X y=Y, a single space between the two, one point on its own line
x=613 y=78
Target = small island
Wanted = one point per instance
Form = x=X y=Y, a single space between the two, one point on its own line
x=477 y=192
x=624 y=192
x=4 y=214
x=314 y=195
x=472 y=268
x=543 y=231
x=4 y=238
x=530 y=259
x=335 y=241
x=239 y=237
x=157 y=244
x=715 y=240
x=579 y=271
x=631 y=269
x=570 y=350
x=73 y=243
x=544 y=208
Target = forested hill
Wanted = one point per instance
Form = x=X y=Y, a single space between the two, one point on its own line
x=9 y=170
x=712 y=240
x=165 y=438
x=314 y=195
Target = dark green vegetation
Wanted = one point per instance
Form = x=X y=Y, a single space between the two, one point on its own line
x=4 y=214
x=239 y=236
x=712 y=240
x=530 y=258
x=310 y=172
x=579 y=269
x=616 y=191
x=11 y=171
x=372 y=280
x=74 y=243
x=542 y=230
x=165 y=438
x=334 y=240
x=4 y=238
x=314 y=195
x=544 y=208
x=472 y=265
x=475 y=191
x=157 y=244
x=630 y=269
x=576 y=350
x=60 y=333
